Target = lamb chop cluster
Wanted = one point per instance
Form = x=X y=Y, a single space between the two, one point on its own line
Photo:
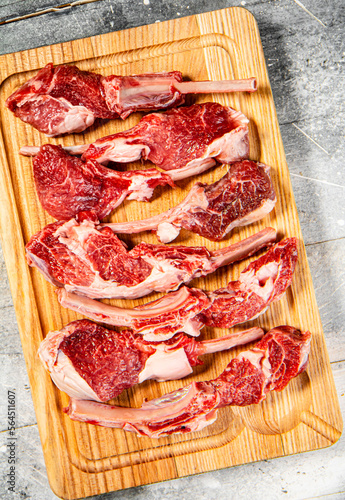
x=86 y=261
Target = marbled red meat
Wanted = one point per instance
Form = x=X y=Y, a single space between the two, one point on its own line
x=264 y=281
x=279 y=356
x=93 y=261
x=89 y=361
x=64 y=99
x=242 y=196
x=179 y=139
x=60 y=100
x=67 y=185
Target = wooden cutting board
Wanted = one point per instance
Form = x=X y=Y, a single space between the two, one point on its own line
x=85 y=460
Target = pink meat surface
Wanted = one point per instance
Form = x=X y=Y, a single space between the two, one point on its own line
x=181 y=138
x=279 y=356
x=160 y=319
x=264 y=281
x=126 y=94
x=242 y=196
x=89 y=361
x=64 y=99
x=60 y=100
x=67 y=185
x=94 y=262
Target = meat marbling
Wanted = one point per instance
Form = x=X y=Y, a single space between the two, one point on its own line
x=67 y=185
x=64 y=99
x=242 y=196
x=94 y=262
x=263 y=282
x=60 y=100
x=184 y=141
x=279 y=356
x=88 y=361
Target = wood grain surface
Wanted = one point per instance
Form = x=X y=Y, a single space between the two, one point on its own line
x=222 y=44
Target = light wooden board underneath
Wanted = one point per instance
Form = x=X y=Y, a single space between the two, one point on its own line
x=83 y=460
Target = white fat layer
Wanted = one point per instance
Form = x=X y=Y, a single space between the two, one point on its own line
x=77 y=119
x=193 y=167
x=120 y=151
x=169 y=229
x=253 y=216
x=35 y=261
x=191 y=326
x=66 y=378
x=233 y=146
x=140 y=189
x=267 y=275
x=155 y=410
x=259 y=360
x=304 y=354
x=164 y=276
x=166 y=365
x=167 y=232
x=135 y=419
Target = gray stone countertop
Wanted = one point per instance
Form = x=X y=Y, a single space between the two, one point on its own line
x=304 y=45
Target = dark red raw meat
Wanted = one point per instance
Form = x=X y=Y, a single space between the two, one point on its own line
x=60 y=100
x=67 y=185
x=92 y=261
x=264 y=281
x=242 y=196
x=89 y=361
x=279 y=356
x=178 y=139
x=64 y=99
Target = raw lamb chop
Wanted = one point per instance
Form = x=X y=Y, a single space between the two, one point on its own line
x=94 y=262
x=244 y=195
x=126 y=94
x=60 y=100
x=184 y=141
x=88 y=361
x=157 y=320
x=279 y=356
x=264 y=281
x=64 y=99
x=67 y=185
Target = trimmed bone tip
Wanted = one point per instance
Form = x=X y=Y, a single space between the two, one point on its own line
x=253 y=84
